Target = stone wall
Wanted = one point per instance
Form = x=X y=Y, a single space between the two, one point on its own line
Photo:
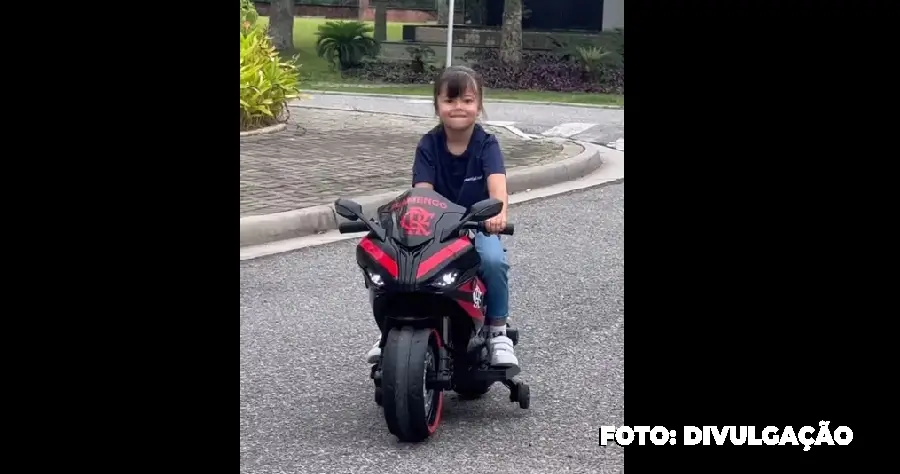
x=396 y=51
x=535 y=40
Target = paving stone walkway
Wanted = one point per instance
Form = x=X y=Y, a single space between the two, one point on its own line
x=326 y=154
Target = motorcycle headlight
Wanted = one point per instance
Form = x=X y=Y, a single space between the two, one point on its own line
x=376 y=279
x=446 y=279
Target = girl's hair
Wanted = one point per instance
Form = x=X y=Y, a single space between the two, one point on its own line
x=458 y=80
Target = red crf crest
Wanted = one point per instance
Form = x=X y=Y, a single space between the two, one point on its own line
x=417 y=221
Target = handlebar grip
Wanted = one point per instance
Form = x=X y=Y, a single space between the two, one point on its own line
x=351 y=227
x=508 y=230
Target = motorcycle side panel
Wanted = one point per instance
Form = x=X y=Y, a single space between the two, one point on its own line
x=470 y=296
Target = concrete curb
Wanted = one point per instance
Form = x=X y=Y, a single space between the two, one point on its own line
x=612 y=172
x=484 y=123
x=367 y=111
x=261 y=131
x=487 y=98
x=533 y=177
x=257 y=230
x=285 y=225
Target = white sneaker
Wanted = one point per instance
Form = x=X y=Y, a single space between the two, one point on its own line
x=502 y=352
x=374 y=353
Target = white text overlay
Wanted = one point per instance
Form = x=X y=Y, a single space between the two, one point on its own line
x=806 y=436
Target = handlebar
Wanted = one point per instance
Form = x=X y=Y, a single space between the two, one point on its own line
x=350 y=227
x=479 y=226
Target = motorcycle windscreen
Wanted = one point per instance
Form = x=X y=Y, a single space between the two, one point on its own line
x=418 y=215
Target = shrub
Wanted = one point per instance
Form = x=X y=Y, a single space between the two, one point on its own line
x=538 y=71
x=417 y=71
x=597 y=62
x=420 y=56
x=346 y=42
x=549 y=71
x=267 y=81
x=248 y=13
x=391 y=73
x=577 y=68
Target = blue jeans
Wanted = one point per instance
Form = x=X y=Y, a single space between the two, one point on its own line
x=494 y=273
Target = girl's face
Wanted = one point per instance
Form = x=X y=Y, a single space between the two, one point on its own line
x=459 y=113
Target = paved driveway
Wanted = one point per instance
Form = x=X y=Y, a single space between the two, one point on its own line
x=306 y=399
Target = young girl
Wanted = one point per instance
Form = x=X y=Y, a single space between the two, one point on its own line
x=463 y=163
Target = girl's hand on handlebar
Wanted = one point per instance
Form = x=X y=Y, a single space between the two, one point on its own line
x=496 y=224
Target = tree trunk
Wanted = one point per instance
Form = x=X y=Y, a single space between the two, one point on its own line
x=443 y=12
x=361 y=7
x=380 y=20
x=511 y=32
x=281 y=25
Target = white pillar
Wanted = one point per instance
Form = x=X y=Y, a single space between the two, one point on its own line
x=449 y=58
x=613 y=14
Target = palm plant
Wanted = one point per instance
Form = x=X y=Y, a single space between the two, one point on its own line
x=345 y=42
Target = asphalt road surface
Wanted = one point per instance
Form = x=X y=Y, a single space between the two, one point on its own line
x=307 y=401
x=590 y=124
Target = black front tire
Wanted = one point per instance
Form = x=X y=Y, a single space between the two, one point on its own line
x=404 y=361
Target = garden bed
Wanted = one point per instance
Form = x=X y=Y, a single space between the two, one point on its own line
x=538 y=71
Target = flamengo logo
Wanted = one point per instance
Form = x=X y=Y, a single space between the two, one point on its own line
x=736 y=435
x=417 y=221
x=476 y=296
x=418 y=200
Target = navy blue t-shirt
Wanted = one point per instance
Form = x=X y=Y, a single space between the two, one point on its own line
x=461 y=179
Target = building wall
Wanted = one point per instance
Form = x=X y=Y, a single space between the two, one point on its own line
x=363 y=13
x=613 y=14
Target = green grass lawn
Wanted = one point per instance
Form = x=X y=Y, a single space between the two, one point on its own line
x=316 y=73
x=313 y=68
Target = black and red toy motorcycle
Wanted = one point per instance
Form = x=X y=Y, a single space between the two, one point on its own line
x=421 y=268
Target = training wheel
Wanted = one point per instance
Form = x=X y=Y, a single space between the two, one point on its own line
x=513 y=335
x=524 y=395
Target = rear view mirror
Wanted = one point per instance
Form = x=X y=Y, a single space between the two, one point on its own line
x=347 y=209
x=484 y=210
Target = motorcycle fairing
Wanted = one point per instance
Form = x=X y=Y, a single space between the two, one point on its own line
x=412 y=253
x=412 y=258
